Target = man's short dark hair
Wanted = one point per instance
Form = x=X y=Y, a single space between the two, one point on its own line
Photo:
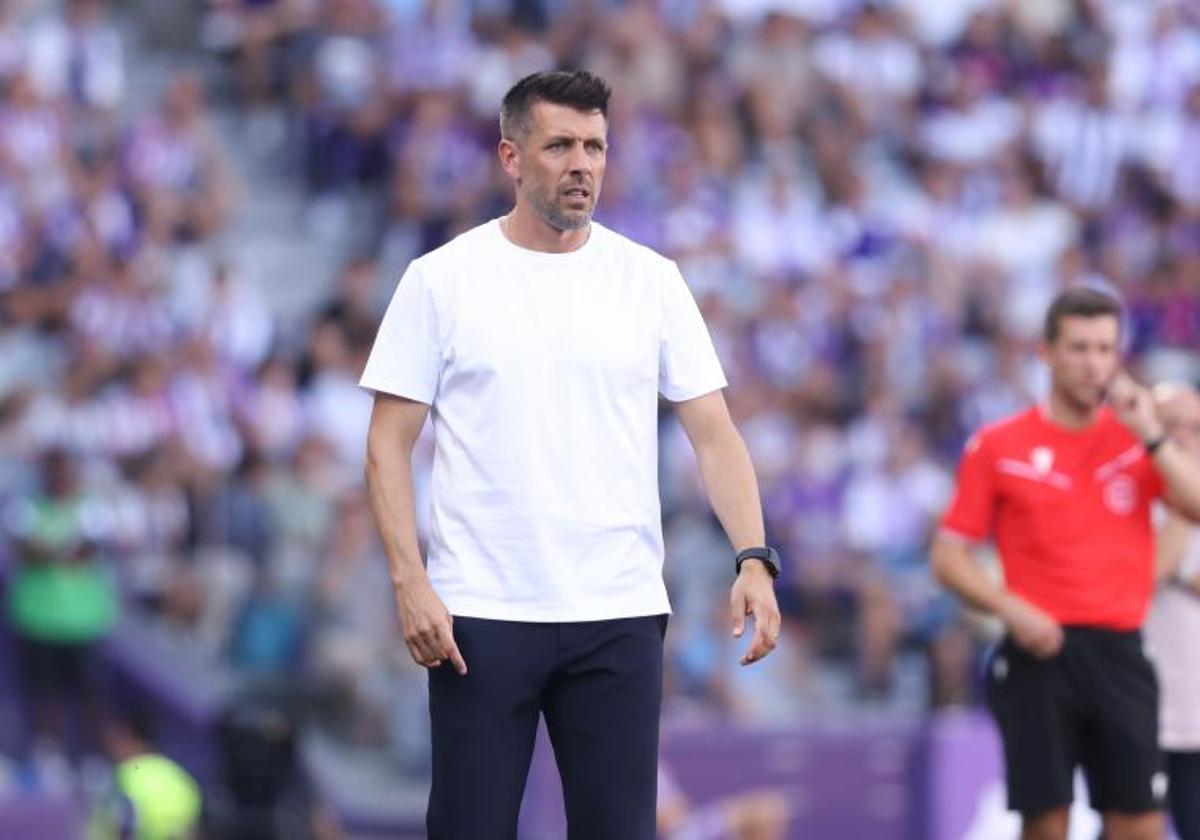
x=1083 y=302
x=577 y=89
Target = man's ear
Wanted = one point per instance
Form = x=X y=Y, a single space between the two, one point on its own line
x=508 y=152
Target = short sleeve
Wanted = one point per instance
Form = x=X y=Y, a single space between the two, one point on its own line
x=971 y=510
x=688 y=366
x=406 y=359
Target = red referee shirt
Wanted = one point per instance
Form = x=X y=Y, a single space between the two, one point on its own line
x=1070 y=512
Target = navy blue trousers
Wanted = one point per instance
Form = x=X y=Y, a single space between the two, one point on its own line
x=1183 y=768
x=599 y=686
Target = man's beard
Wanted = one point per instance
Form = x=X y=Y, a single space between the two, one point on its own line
x=553 y=215
x=1082 y=399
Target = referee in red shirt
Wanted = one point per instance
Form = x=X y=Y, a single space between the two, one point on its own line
x=1065 y=489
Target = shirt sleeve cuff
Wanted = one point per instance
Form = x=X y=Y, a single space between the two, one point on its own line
x=407 y=392
x=683 y=394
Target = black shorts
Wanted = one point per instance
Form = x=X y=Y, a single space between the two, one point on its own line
x=1093 y=705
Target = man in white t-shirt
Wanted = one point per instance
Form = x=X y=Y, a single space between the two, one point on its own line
x=541 y=341
x=1173 y=625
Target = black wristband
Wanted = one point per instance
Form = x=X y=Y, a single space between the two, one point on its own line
x=1154 y=445
x=767 y=555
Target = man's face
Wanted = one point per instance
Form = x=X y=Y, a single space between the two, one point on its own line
x=559 y=166
x=1083 y=358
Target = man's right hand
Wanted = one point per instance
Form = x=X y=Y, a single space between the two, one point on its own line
x=428 y=626
x=1031 y=628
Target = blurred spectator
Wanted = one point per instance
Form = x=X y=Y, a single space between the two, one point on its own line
x=233 y=316
x=430 y=45
x=872 y=64
x=78 y=56
x=264 y=789
x=1171 y=133
x=1173 y=623
x=61 y=602
x=340 y=93
x=268 y=635
x=887 y=514
x=272 y=415
x=152 y=521
x=33 y=146
x=354 y=619
x=254 y=36
x=337 y=409
x=977 y=122
x=1155 y=57
x=1023 y=238
x=440 y=170
x=1084 y=140
x=178 y=168
x=236 y=512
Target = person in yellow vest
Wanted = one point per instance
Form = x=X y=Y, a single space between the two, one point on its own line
x=150 y=796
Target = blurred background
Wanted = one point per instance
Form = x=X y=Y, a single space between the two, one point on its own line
x=205 y=206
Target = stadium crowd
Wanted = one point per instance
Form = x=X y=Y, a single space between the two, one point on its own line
x=872 y=201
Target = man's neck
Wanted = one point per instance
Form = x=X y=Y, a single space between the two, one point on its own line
x=527 y=230
x=1067 y=414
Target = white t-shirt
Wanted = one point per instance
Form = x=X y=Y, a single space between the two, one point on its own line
x=543 y=371
x=1172 y=635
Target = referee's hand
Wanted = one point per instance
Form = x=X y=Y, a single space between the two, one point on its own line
x=1133 y=405
x=1031 y=628
x=428 y=626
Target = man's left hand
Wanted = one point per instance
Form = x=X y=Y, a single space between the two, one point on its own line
x=1133 y=405
x=754 y=595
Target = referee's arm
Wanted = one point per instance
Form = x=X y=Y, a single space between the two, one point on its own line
x=1134 y=406
x=956 y=568
x=1180 y=471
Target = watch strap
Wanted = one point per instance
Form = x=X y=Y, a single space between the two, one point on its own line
x=768 y=556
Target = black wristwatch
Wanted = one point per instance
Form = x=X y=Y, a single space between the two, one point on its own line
x=768 y=556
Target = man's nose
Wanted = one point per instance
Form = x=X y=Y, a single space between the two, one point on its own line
x=580 y=163
x=1096 y=363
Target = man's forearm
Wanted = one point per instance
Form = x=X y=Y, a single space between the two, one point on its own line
x=1181 y=474
x=393 y=505
x=957 y=570
x=732 y=489
x=1169 y=546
